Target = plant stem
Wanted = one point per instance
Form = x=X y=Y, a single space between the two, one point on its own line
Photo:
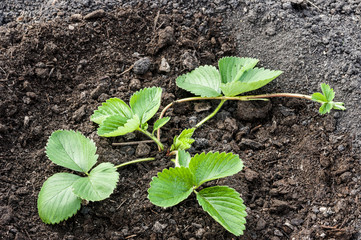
x=176 y=162
x=151 y=136
x=212 y=114
x=239 y=98
x=134 y=161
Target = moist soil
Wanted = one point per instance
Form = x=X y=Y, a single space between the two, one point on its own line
x=300 y=175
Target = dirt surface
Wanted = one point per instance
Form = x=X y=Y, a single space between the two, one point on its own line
x=301 y=180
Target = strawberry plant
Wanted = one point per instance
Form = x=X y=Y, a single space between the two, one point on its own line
x=116 y=118
x=222 y=203
x=61 y=195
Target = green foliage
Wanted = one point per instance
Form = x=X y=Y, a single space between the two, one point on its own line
x=184 y=158
x=116 y=118
x=222 y=203
x=60 y=196
x=326 y=99
x=235 y=76
x=99 y=184
x=145 y=103
x=113 y=106
x=56 y=201
x=117 y=125
x=225 y=206
x=184 y=140
x=211 y=166
x=160 y=123
x=71 y=150
x=204 y=81
x=171 y=186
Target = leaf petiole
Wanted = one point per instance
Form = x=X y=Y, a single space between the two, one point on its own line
x=134 y=161
x=151 y=136
x=212 y=114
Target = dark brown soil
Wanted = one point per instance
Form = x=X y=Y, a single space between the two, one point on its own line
x=300 y=175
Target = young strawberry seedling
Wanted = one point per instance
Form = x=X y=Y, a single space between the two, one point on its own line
x=116 y=118
x=61 y=195
x=222 y=203
x=236 y=76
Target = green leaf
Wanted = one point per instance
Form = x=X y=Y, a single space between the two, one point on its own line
x=116 y=126
x=184 y=140
x=203 y=81
x=210 y=166
x=56 y=201
x=318 y=97
x=71 y=150
x=171 y=187
x=184 y=158
x=339 y=106
x=249 y=81
x=327 y=92
x=145 y=103
x=325 y=108
x=100 y=183
x=224 y=205
x=232 y=68
x=160 y=123
x=113 y=106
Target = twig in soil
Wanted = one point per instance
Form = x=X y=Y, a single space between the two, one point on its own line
x=255 y=128
x=134 y=143
x=134 y=235
x=156 y=21
x=127 y=70
x=3 y=70
x=314 y=5
x=121 y=204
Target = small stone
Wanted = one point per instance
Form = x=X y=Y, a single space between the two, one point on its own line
x=192 y=121
x=142 y=150
x=76 y=17
x=231 y=124
x=315 y=209
x=189 y=61
x=26 y=121
x=135 y=84
x=31 y=95
x=251 y=175
x=323 y=209
x=142 y=66
x=95 y=14
x=341 y=148
x=200 y=232
x=297 y=221
x=278 y=233
x=42 y=72
x=158 y=227
x=202 y=106
x=79 y=114
x=55 y=109
x=166 y=37
x=261 y=224
x=271 y=31
x=98 y=90
x=164 y=66
x=71 y=27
